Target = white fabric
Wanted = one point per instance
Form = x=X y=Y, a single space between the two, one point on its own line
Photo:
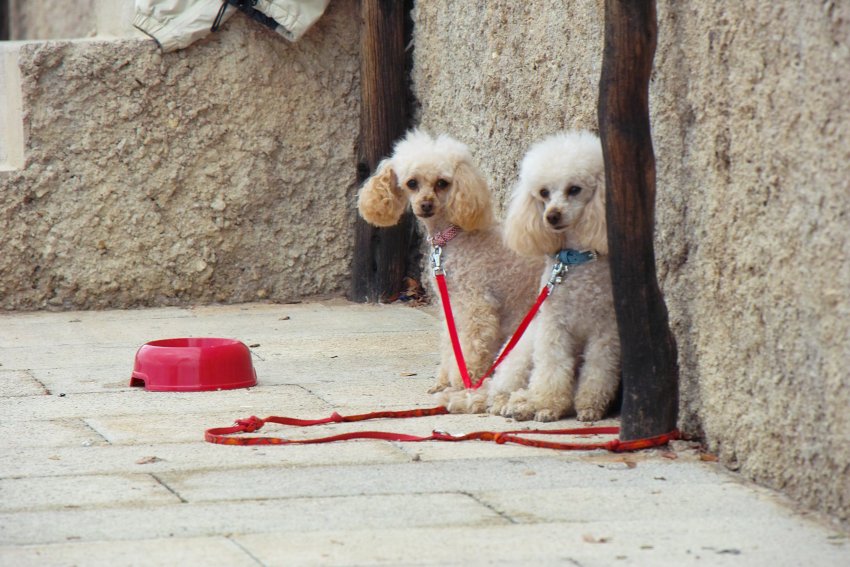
x=176 y=24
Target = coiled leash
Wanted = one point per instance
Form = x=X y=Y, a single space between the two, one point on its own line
x=223 y=435
x=565 y=259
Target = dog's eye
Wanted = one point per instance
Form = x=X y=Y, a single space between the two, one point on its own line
x=412 y=184
x=574 y=190
x=544 y=193
x=442 y=184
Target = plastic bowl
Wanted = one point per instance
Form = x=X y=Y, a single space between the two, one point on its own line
x=193 y=365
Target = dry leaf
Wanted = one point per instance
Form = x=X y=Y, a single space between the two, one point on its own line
x=669 y=455
x=148 y=460
x=591 y=539
x=408 y=374
x=707 y=457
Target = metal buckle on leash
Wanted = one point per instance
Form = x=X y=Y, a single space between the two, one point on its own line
x=558 y=272
x=437 y=260
x=441 y=433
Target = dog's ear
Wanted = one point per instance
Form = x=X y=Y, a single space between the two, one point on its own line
x=525 y=230
x=469 y=205
x=381 y=201
x=592 y=227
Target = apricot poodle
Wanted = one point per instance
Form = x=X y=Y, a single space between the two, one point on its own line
x=490 y=285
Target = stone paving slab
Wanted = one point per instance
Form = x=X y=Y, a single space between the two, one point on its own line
x=189 y=456
x=275 y=399
x=94 y=472
x=647 y=542
x=20 y=383
x=120 y=523
x=206 y=551
x=90 y=490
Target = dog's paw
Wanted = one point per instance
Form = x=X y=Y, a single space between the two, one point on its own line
x=498 y=402
x=589 y=414
x=591 y=405
x=465 y=401
x=520 y=406
x=438 y=387
x=547 y=414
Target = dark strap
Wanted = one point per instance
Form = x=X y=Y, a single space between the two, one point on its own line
x=247 y=7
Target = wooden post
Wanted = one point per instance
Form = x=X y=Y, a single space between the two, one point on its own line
x=5 y=20
x=380 y=254
x=650 y=368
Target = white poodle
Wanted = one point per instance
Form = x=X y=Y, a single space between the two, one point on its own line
x=490 y=286
x=570 y=360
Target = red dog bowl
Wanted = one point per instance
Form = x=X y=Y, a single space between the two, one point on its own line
x=193 y=365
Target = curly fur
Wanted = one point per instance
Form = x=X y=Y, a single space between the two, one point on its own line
x=569 y=361
x=490 y=285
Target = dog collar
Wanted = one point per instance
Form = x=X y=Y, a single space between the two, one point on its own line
x=444 y=236
x=571 y=257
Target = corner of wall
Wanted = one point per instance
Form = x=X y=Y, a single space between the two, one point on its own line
x=11 y=109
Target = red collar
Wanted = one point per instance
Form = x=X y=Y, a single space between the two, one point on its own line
x=444 y=236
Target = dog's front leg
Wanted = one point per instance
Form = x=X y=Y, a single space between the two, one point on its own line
x=480 y=333
x=448 y=376
x=550 y=391
x=599 y=376
x=513 y=372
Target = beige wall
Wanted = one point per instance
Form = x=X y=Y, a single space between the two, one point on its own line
x=223 y=172
x=53 y=19
x=751 y=126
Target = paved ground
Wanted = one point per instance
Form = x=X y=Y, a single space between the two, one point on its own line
x=94 y=472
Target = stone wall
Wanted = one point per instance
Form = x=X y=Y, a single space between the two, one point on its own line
x=222 y=172
x=751 y=127
x=53 y=19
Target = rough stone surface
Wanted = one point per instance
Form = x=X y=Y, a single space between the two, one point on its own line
x=751 y=126
x=223 y=172
x=53 y=19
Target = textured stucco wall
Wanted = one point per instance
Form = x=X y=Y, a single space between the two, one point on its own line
x=751 y=126
x=54 y=19
x=223 y=172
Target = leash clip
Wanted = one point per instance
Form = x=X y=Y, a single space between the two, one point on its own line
x=437 y=260
x=445 y=434
x=558 y=272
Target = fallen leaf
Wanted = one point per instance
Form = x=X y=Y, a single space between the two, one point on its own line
x=630 y=464
x=255 y=345
x=591 y=539
x=669 y=455
x=408 y=374
x=708 y=457
x=148 y=460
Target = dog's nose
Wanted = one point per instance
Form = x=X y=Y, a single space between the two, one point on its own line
x=427 y=207
x=553 y=217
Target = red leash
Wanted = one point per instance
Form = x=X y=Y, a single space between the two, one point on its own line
x=222 y=435
x=440 y=276
x=450 y=323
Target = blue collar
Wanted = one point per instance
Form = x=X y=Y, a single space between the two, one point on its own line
x=570 y=257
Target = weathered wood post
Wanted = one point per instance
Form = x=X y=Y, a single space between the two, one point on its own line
x=380 y=254
x=5 y=20
x=650 y=368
